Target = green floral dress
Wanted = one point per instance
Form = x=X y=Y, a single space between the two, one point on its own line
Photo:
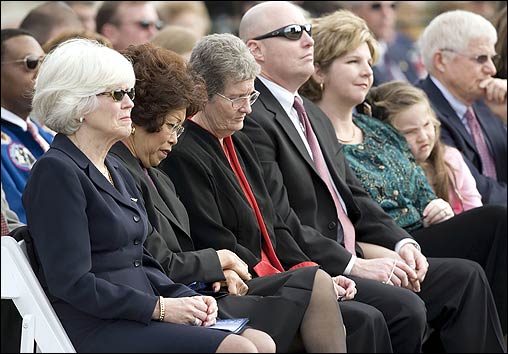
x=388 y=171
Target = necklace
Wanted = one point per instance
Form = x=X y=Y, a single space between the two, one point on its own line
x=348 y=140
x=108 y=176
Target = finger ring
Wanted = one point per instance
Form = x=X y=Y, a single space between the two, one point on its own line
x=196 y=321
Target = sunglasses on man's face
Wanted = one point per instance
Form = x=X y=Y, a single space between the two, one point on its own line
x=119 y=94
x=377 y=6
x=146 y=24
x=31 y=61
x=291 y=32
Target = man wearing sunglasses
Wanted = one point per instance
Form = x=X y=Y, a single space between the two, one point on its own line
x=466 y=97
x=127 y=23
x=313 y=189
x=399 y=59
x=23 y=140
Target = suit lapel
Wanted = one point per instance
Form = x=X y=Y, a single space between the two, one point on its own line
x=168 y=203
x=273 y=106
x=63 y=143
x=445 y=112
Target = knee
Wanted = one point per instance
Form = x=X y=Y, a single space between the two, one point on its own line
x=237 y=344
x=413 y=312
x=322 y=278
x=263 y=342
x=469 y=272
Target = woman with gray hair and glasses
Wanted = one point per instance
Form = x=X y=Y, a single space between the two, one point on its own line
x=219 y=179
x=88 y=222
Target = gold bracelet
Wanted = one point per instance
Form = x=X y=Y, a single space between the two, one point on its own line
x=162 y=309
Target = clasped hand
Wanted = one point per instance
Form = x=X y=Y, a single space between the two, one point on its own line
x=236 y=272
x=406 y=269
x=345 y=288
x=193 y=310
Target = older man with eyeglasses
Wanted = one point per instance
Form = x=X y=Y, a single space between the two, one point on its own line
x=127 y=23
x=458 y=49
x=332 y=216
x=23 y=140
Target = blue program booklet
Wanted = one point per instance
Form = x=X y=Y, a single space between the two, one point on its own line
x=233 y=325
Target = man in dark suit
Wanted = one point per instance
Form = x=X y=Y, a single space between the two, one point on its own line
x=461 y=87
x=281 y=43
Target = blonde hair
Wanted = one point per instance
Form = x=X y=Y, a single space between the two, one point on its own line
x=335 y=35
x=389 y=100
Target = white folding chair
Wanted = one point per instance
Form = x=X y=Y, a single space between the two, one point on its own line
x=40 y=322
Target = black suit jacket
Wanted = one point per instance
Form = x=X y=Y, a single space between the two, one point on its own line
x=169 y=239
x=89 y=237
x=454 y=133
x=299 y=194
x=220 y=214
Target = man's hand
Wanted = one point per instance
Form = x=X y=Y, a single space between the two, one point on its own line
x=495 y=96
x=386 y=270
x=417 y=261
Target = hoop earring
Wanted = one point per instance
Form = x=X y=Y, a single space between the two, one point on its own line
x=133 y=130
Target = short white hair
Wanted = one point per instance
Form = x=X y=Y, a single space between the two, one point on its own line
x=453 y=30
x=69 y=79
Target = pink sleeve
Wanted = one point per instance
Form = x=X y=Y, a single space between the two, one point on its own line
x=465 y=195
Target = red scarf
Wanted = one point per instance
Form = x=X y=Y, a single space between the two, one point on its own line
x=269 y=263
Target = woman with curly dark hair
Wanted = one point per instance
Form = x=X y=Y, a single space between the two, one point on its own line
x=282 y=305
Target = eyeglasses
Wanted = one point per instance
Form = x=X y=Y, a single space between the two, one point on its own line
x=480 y=59
x=238 y=102
x=175 y=128
x=119 y=94
x=291 y=32
x=377 y=6
x=31 y=61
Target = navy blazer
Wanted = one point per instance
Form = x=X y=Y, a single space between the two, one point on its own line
x=454 y=133
x=299 y=194
x=89 y=238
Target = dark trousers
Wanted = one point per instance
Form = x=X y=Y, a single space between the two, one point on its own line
x=478 y=235
x=455 y=301
x=366 y=330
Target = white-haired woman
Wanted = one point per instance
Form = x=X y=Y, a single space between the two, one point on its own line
x=88 y=223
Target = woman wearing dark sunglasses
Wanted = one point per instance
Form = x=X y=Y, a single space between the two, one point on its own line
x=88 y=223
x=272 y=303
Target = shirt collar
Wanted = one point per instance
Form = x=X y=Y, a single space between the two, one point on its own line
x=459 y=107
x=14 y=119
x=285 y=98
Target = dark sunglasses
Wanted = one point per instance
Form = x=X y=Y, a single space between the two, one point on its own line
x=119 y=94
x=376 y=6
x=145 y=24
x=31 y=61
x=480 y=59
x=291 y=32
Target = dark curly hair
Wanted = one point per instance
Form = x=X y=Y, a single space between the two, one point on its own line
x=163 y=85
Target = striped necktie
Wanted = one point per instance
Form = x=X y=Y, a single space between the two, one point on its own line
x=488 y=166
x=320 y=163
